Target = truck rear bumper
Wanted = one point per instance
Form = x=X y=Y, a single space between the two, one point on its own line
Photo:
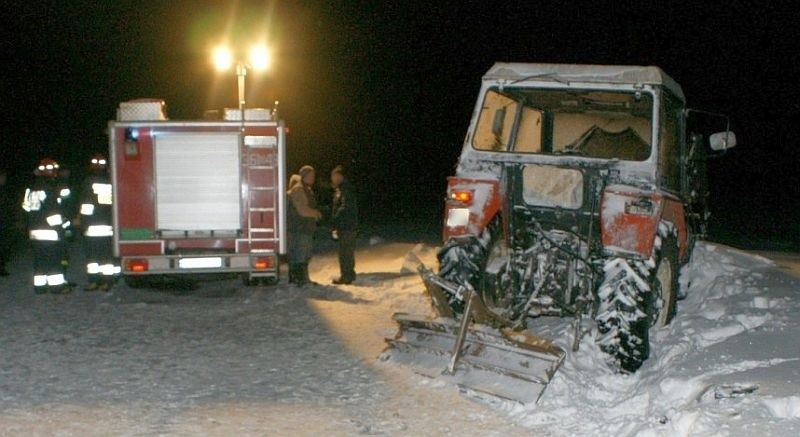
x=257 y=265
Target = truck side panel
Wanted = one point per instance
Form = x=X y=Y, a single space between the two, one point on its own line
x=134 y=185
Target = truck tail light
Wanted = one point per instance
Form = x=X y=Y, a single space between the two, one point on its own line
x=136 y=265
x=263 y=263
x=462 y=196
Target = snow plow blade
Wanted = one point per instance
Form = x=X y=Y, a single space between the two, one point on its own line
x=482 y=361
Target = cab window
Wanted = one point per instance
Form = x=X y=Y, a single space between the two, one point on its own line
x=669 y=163
x=495 y=122
x=588 y=123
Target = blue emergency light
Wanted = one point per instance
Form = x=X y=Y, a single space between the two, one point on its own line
x=131 y=134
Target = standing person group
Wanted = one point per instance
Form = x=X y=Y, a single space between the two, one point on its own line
x=304 y=214
x=48 y=204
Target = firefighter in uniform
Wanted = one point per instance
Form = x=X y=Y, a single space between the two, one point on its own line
x=45 y=202
x=95 y=210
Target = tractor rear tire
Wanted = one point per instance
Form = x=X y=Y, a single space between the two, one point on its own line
x=633 y=297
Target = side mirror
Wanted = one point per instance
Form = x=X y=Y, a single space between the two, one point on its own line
x=722 y=141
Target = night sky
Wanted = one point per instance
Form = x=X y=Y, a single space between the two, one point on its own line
x=388 y=87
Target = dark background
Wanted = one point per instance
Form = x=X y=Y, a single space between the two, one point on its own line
x=388 y=88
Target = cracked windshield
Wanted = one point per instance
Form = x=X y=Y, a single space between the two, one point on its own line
x=595 y=124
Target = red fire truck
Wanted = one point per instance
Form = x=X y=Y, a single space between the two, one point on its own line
x=200 y=196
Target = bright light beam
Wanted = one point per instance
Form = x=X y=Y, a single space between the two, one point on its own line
x=223 y=58
x=260 y=57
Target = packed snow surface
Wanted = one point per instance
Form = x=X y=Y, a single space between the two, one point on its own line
x=223 y=359
x=728 y=364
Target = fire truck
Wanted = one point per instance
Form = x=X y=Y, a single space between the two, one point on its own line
x=200 y=196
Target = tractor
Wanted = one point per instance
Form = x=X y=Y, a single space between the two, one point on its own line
x=579 y=193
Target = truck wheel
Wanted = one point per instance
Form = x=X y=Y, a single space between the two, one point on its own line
x=248 y=281
x=634 y=296
x=137 y=281
x=252 y=282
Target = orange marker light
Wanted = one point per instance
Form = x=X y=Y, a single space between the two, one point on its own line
x=262 y=263
x=463 y=196
x=137 y=265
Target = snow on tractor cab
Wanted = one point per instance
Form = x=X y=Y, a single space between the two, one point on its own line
x=578 y=194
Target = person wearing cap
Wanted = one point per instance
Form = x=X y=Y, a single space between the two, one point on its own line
x=303 y=216
x=344 y=220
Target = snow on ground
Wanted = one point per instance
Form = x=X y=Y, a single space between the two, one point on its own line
x=223 y=359
x=729 y=363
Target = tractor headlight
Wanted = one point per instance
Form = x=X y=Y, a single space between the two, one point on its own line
x=457 y=217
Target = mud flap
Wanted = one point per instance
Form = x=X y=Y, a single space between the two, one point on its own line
x=513 y=365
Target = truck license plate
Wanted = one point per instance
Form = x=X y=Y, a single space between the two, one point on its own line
x=200 y=263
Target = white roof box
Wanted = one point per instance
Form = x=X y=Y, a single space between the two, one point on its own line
x=142 y=110
x=251 y=114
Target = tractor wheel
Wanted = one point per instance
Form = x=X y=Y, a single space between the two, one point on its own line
x=634 y=296
x=665 y=283
x=462 y=261
x=496 y=282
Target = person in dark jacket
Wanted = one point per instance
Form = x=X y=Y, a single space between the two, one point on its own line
x=344 y=220
x=303 y=216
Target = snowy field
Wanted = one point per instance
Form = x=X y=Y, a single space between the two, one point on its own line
x=223 y=359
